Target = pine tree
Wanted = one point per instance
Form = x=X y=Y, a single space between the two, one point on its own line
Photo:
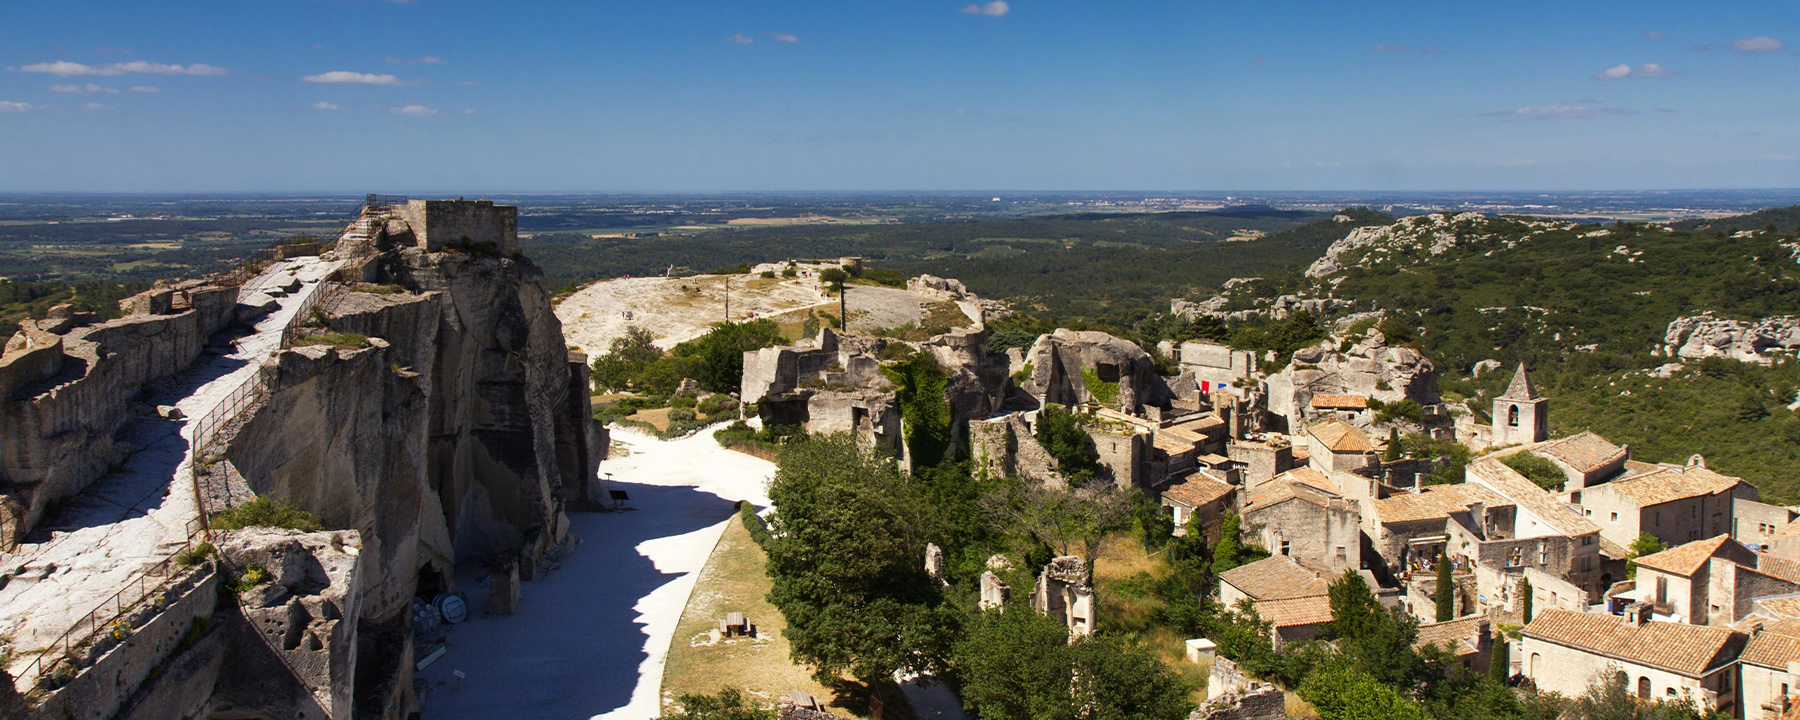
x=1446 y=591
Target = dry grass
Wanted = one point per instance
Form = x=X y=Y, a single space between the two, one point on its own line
x=733 y=581
x=656 y=417
x=1298 y=708
x=1122 y=556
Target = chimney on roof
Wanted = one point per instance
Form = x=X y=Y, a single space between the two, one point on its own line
x=1637 y=613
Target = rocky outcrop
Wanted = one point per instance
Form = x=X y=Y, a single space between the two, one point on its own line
x=68 y=386
x=1435 y=233
x=1704 y=336
x=1369 y=368
x=291 y=638
x=1074 y=367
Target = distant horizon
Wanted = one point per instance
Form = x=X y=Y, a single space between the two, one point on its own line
x=472 y=194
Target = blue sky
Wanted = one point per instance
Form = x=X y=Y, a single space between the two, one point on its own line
x=710 y=95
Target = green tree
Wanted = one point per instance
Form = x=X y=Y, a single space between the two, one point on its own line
x=1019 y=665
x=629 y=355
x=1375 y=640
x=1500 y=661
x=1232 y=551
x=834 y=279
x=1446 y=590
x=1525 y=590
x=919 y=386
x=846 y=563
x=1059 y=431
x=719 y=354
x=1393 y=450
x=1540 y=471
x=1341 y=692
x=1071 y=520
x=1645 y=544
x=729 y=704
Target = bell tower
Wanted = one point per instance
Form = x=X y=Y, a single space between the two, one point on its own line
x=1521 y=416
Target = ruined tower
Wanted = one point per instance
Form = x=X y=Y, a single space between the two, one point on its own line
x=1520 y=414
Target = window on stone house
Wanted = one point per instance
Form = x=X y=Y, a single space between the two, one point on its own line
x=1693 y=534
x=1615 y=517
x=1659 y=518
x=1513 y=557
x=1671 y=692
x=1695 y=509
x=1284 y=547
x=1643 y=688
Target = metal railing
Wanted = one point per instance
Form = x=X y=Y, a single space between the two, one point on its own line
x=111 y=611
x=374 y=200
x=315 y=296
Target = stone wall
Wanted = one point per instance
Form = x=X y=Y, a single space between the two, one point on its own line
x=1061 y=360
x=292 y=642
x=1329 y=535
x=436 y=223
x=104 y=687
x=1123 y=456
x=1261 y=703
x=67 y=394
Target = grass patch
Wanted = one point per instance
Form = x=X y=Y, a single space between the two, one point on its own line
x=733 y=581
x=342 y=341
x=194 y=554
x=263 y=512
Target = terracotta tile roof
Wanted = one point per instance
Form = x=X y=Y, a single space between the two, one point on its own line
x=1586 y=452
x=1778 y=567
x=1294 y=612
x=1169 y=443
x=1775 y=646
x=1780 y=606
x=1301 y=454
x=1612 y=550
x=1509 y=484
x=1435 y=502
x=1456 y=633
x=1209 y=421
x=1686 y=649
x=1668 y=484
x=1274 y=578
x=1340 y=402
x=1198 y=490
x=1213 y=459
x=1687 y=559
x=1303 y=483
x=1341 y=437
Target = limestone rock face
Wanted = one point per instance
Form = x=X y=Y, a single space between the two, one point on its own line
x=1069 y=365
x=306 y=614
x=1365 y=369
x=1704 y=336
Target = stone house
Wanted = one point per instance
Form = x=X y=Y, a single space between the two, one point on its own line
x=1291 y=596
x=1261 y=460
x=1215 y=365
x=1338 y=446
x=1353 y=409
x=1586 y=459
x=1467 y=639
x=1065 y=590
x=1769 y=669
x=1715 y=581
x=1675 y=503
x=1544 y=533
x=1301 y=514
x=1409 y=529
x=1272 y=578
x=1756 y=524
x=1200 y=500
x=1566 y=651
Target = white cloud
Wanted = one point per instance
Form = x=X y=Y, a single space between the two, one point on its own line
x=64 y=68
x=7 y=106
x=88 y=88
x=427 y=60
x=996 y=8
x=345 y=76
x=322 y=105
x=413 y=110
x=96 y=106
x=145 y=88
x=1614 y=73
x=740 y=39
x=1759 y=45
x=783 y=37
x=1622 y=71
x=467 y=83
x=1654 y=35
x=467 y=111
x=1559 y=111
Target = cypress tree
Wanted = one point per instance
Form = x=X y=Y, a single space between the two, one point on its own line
x=1525 y=588
x=1500 y=664
x=1225 y=555
x=1446 y=591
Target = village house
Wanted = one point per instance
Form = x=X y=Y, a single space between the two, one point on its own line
x=1756 y=524
x=1586 y=459
x=1674 y=503
x=1467 y=639
x=1769 y=669
x=1353 y=409
x=1338 y=446
x=1288 y=594
x=1302 y=514
x=1544 y=533
x=1199 y=501
x=1715 y=581
x=1409 y=530
x=1565 y=652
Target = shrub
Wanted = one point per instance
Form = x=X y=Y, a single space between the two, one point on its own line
x=715 y=404
x=683 y=401
x=263 y=512
x=681 y=415
x=790 y=272
x=193 y=554
x=1543 y=472
x=768 y=274
x=252 y=576
x=759 y=531
x=344 y=341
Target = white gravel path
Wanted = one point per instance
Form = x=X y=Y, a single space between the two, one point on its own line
x=591 y=638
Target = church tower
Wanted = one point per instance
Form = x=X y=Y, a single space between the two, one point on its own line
x=1520 y=415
